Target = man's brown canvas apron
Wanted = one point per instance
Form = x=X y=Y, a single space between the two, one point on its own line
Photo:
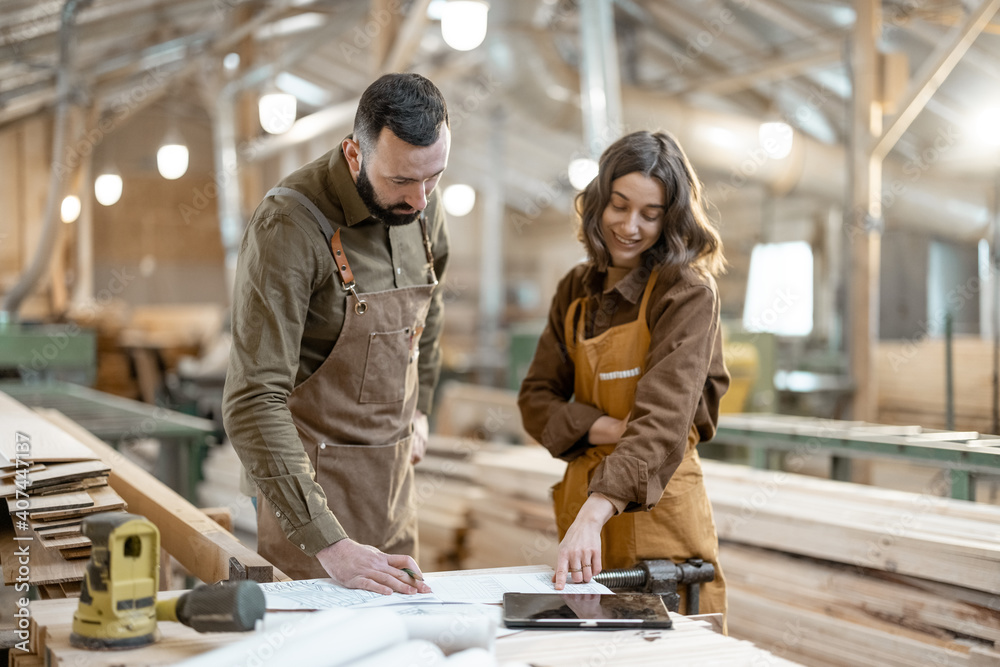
x=354 y=416
x=681 y=525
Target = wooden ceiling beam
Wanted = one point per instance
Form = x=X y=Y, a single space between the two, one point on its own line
x=768 y=70
x=133 y=17
x=933 y=73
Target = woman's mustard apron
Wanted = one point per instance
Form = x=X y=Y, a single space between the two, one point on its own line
x=680 y=526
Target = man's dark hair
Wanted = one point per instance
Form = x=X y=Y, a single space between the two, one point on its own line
x=408 y=104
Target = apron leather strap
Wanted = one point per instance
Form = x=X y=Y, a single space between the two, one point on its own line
x=343 y=267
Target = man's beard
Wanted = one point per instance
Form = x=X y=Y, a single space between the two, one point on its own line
x=388 y=216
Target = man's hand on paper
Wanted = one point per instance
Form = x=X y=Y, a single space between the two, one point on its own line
x=354 y=565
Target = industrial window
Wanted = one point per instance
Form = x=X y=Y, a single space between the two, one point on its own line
x=780 y=289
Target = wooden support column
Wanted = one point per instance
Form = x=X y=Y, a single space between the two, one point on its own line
x=12 y=193
x=864 y=223
x=83 y=289
x=247 y=128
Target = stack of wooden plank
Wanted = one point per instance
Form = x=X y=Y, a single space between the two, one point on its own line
x=445 y=489
x=481 y=414
x=831 y=573
x=49 y=482
x=56 y=497
x=514 y=523
x=903 y=365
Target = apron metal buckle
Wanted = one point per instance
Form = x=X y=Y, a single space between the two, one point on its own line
x=361 y=307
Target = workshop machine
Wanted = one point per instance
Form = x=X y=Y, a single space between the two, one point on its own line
x=118 y=607
x=40 y=352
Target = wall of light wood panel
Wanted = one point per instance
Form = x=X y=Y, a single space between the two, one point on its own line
x=25 y=149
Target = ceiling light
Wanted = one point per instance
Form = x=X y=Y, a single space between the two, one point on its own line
x=463 y=23
x=277 y=112
x=776 y=139
x=582 y=171
x=70 y=209
x=435 y=8
x=172 y=160
x=231 y=62
x=988 y=126
x=459 y=199
x=108 y=189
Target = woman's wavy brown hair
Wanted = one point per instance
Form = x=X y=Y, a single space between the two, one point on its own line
x=689 y=238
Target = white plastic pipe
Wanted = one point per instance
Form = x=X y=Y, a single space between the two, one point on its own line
x=453 y=632
x=320 y=639
x=473 y=657
x=341 y=637
x=414 y=653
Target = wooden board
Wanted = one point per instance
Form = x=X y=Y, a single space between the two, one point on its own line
x=10 y=473
x=59 y=531
x=59 y=501
x=75 y=553
x=72 y=521
x=45 y=442
x=66 y=542
x=55 y=475
x=104 y=500
x=78 y=485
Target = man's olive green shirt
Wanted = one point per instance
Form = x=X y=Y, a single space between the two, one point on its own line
x=288 y=311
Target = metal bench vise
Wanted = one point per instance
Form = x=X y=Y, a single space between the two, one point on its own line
x=662 y=577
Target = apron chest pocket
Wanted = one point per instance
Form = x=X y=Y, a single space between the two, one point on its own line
x=385 y=367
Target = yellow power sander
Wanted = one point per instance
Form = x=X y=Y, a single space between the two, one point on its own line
x=118 y=607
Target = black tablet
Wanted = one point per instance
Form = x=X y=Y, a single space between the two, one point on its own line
x=588 y=611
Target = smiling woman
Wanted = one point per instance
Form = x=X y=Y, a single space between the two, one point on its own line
x=628 y=374
x=633 y=218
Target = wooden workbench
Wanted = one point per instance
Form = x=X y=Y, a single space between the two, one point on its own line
x=690 y=642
